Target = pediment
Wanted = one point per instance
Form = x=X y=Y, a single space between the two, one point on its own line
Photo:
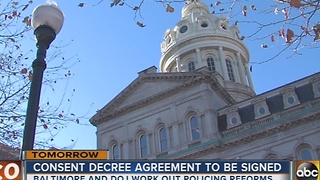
x=146 y=86
x=147 y=89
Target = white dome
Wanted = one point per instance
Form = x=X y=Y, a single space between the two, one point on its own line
x=201 y=40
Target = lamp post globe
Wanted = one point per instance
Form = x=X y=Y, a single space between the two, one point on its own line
x=47 y=21
x=48 y=14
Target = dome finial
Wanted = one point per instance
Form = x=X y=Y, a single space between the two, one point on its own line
x=193 y=6
x=191 y=1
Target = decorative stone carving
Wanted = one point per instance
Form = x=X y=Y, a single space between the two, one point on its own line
x=261 y=108
x=290 y=97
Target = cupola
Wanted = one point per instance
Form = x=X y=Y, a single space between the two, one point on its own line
x=201 y=39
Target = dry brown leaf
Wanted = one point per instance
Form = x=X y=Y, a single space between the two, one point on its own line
x=272 y=38
x=80 y=4
x=14 y=13
x=25 y=7
x=290 y=35
x=24 y=71
x=27 y=21
x=295 y=3
x=281 y=33
x=316 y=30
x=30 y=76
x=285 y=12
x=115 y=2
x=169 y=8
x=140 y=24
x=244 y=12
x=245 y=8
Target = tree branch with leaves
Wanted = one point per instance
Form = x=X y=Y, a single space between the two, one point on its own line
x=293 y=24
x=16 y=75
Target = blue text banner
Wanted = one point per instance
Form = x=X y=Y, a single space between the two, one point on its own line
x=158 y=167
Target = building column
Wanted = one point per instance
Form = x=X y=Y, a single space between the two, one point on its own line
x=150 y=143
x=242 y=72
x=223 y=64
x=175 y=139
x=175 y=132
x=178 y=62
x=217 y=64
x=135 y=149
x=198 y=57
x=249 y=78
x=124 y=150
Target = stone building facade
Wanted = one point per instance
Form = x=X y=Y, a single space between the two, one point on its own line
x=9 y=153
x=202 y=104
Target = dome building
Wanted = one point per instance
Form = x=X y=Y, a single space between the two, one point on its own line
x=201 y=39
x=202 y=104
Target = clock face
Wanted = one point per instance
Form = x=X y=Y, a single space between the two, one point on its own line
x=183 y=29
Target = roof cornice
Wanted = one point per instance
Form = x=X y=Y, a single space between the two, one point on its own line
x=246 y=133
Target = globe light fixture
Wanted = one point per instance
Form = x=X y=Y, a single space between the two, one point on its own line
x=47 y=21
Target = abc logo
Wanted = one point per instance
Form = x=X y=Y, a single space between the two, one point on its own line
x=307 y=171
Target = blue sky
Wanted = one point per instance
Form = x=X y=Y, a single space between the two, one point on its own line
x=113 y=49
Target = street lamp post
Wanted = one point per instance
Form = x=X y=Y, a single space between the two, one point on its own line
x=47 y=22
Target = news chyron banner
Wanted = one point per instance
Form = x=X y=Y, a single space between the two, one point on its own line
x=206 y=170
x=95 y=165
x=73 y=165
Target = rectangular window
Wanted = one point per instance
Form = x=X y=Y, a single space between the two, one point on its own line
x=230 y=70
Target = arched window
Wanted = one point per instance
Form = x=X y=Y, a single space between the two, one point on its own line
x=194 y=126
x=191 y=66
x=305 y=154
x=230 y=70
x=210 y=63
x=143 y=145
x=163 y=139
x=115 y=151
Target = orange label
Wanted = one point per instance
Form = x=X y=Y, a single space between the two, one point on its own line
x=10 y=170
x=66 y=155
